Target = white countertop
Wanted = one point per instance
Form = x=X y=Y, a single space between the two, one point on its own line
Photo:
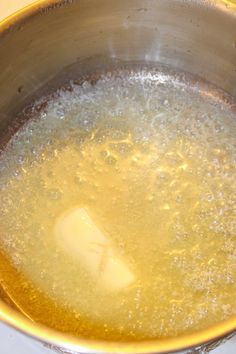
x=12 y=342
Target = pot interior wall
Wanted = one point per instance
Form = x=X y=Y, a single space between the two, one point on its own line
x=72 y=38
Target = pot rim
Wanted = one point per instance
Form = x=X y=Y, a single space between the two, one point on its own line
x=14 y=319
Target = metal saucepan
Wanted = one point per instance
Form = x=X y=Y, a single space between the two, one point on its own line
x=51 y=41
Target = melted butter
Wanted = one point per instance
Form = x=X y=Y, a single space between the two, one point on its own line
x=118 y=210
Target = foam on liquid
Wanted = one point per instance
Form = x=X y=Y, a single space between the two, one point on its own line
x=117 y=211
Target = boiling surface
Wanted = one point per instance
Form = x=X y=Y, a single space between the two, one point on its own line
x=117 y=211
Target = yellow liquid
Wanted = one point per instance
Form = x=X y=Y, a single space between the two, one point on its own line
x=149 y=163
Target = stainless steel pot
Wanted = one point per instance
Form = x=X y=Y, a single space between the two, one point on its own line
x=51 y=41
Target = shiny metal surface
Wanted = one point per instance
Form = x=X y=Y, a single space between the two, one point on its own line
x=50 y=41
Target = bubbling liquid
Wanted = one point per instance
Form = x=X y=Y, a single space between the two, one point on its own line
x=117 y=211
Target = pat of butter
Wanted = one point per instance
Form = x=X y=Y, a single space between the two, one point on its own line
x=77 y=234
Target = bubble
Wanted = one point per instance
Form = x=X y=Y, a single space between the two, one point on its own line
x=110 y=160
x=54 y=194
x=104 y=154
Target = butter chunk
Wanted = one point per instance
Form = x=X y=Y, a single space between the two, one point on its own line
x=79 y=237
